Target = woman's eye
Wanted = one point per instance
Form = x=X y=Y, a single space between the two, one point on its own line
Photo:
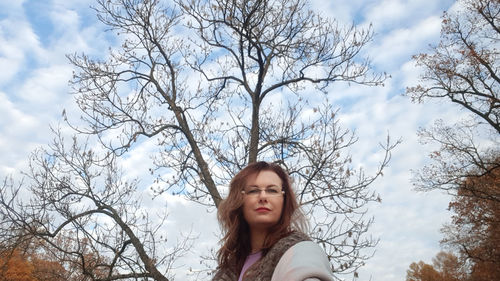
x=271 y=190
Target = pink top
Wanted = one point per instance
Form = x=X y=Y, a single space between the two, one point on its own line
x=251 y=259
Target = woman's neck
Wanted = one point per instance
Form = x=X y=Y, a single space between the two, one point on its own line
x=257 y=238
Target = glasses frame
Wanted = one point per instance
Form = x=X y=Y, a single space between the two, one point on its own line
x=282 y=192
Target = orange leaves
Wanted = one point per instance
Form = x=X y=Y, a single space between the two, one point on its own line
x=15 y=267
x=28 y=261
x=445 y=267
x=473 y=234
x=475 y=227
x=46 y=270
x=422 y=272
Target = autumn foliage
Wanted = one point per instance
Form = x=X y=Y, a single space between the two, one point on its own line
x=32 y=259
x=475 y=228
x=14 y=267
x=18 y=265
x=445 y=267
x=474 y=234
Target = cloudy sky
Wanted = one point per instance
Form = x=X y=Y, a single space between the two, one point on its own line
x=36 y=35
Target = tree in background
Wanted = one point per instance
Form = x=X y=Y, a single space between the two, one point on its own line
x=32 y=260
x=463 y=69
x=445 y=267
x=85 y=217
x=13 y=267
x=217 y=84
x=474 y=232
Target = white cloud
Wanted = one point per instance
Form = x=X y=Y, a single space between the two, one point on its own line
x=15 y=128
x=345 y=12
x=392 y=14
x=186 y=218
x=45 y=85
x=33 y=84
x=17 y=42
x=400 y=44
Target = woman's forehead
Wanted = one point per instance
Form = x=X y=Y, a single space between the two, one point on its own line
x=264 y=178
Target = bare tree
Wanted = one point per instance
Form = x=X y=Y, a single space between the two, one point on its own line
x=218 y=84
x=88 y=218
x=463 y=69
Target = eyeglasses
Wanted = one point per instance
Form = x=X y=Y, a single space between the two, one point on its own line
x=271 y=191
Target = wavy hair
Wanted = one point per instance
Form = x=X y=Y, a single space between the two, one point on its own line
x=236 y=241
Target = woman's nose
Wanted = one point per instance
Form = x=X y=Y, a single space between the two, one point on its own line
x=262 y=194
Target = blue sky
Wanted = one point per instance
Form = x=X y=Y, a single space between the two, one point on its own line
x=35 y=37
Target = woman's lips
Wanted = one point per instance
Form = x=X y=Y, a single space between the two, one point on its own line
x=262 y=209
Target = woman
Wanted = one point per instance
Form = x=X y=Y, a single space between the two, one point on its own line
x=261 y=221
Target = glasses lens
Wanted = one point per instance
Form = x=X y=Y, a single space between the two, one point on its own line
x=269 y=191
x=273 y=191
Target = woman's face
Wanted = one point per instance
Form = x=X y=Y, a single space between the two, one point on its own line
x=263 y=200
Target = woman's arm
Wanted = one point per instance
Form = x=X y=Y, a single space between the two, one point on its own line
x=305 y=261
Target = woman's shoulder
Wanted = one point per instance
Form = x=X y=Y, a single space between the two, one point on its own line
x=294 y=237
x=305 y=259
x=283 y=244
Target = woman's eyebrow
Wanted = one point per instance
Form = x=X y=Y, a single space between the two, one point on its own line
x=269 y=185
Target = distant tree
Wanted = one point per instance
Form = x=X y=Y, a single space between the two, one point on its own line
x=218 y=84
x=474 y=234
x=474 y=231
x=36 y=259
x=422 y=272
x=85 y=221
x=445 y=267
x=14 y=268
x=449 y=266
x=26 y=261
x=463 y=69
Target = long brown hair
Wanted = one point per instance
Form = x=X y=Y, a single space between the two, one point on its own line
x=236 y=241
